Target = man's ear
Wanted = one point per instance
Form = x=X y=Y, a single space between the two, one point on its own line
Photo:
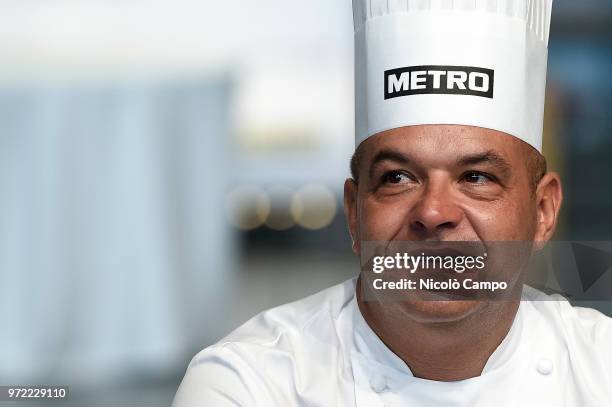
x=350 y=211
x=549 y=195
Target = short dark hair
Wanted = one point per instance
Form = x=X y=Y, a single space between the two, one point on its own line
x=355 y=163
x=536 y=165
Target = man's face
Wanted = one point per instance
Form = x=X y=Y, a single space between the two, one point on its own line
x=443 y=183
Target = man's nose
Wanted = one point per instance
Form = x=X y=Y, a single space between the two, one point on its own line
x=435 y=213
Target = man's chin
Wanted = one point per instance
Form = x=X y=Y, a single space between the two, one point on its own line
x=440 y=310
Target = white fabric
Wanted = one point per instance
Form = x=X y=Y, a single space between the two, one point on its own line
x=320 y=352
x=508 y=37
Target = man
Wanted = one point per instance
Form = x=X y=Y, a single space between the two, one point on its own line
x=449 y=114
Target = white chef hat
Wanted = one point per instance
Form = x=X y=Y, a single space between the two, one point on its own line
x=471 y=62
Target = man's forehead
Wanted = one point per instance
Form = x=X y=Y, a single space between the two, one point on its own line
x=442 y=142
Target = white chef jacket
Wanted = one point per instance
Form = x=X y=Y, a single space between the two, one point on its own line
x=320 y=352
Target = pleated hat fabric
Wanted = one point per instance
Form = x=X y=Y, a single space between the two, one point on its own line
x=470 y=62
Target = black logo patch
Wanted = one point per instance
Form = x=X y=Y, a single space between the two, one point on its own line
x=439 y=79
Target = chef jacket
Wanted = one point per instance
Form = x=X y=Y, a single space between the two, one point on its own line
x=320 y=352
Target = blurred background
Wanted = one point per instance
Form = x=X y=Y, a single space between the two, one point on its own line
x=169 y=169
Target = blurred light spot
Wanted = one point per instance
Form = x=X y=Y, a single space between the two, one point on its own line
x=248 y=206
x=280 y=217
x=313 y=206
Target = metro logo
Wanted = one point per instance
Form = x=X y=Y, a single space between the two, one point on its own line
x=439 y=79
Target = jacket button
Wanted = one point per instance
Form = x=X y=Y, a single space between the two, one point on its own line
x=378 y=383
x=545 y=366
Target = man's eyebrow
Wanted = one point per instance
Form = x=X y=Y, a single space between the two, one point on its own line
x=388 y=155
x=487 y=157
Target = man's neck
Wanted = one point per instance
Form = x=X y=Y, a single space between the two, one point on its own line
x=442 y=351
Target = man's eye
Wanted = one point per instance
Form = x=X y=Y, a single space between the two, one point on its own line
x=475 y=177
x=397 y=177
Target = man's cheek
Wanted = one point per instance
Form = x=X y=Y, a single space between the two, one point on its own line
x=499 y=224
x=382 y=222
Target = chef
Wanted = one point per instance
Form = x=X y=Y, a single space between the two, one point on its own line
x=449 y=109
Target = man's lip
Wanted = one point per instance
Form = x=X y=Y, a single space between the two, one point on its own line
x=439 y=251
x=455 y=250
x=452 y=248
